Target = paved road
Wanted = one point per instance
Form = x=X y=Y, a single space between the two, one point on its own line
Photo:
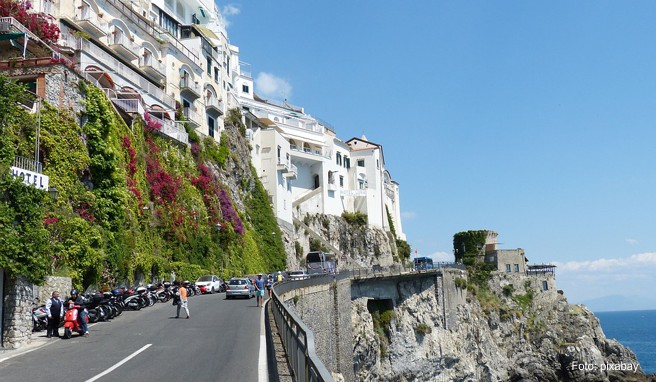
x=220 y=342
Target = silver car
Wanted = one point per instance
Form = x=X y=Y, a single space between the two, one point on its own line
x=242 y=287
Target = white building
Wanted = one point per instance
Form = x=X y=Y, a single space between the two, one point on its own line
x=315 y=170
x=168 y=57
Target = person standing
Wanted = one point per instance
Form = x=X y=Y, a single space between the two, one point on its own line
x=183 y=299
x=55 y=310
x=259 y=286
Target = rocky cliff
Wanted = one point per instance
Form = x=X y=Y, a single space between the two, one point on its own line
x=515 y=331
x=364 y=246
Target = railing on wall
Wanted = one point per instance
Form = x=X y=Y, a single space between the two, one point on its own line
x=296 y=337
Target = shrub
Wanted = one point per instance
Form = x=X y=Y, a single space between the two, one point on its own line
x=461 y=283
x=508 y=290
x=356 y=218
x=423 y=329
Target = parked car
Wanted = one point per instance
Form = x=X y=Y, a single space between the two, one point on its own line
x=240 y=287
x=209 y=283
x=298 y=275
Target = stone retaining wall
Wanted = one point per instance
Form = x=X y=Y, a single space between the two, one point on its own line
x=17 y=320
x=53 y=283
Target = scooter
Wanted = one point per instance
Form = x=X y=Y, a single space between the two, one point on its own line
x=72 y=321
x=39 y=318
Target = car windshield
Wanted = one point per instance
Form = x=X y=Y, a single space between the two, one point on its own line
x=205 y=278
x=295 y=273
x=237 y=282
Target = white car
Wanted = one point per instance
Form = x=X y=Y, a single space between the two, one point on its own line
x=209 y=283
x=298 y=275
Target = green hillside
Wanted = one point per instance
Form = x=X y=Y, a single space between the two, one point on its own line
x=132 y=204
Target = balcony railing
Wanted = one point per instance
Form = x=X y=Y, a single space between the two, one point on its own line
x=154 y=30
x=172 y=129
x=213 y=105
x=28 y=164
x=115 y=66
x=90 y=22
x=191 y=88
x=123 y=46
x=313 y=151
x=191 y=116
x=245 y=69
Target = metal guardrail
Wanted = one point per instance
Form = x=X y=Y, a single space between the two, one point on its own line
x=296 y=337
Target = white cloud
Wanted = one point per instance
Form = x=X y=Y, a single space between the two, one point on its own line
x=270 y=85
x=441 y=256
x=631 y=241
x=594 y=280
x=227 y=11
x=408 y=214
x=633 y=262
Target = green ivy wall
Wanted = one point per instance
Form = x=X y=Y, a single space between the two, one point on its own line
x=132 y=204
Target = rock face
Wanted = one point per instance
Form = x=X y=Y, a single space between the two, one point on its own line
x=364 y=246
x=518 y=333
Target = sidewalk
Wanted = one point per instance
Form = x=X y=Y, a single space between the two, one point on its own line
x=39 y=340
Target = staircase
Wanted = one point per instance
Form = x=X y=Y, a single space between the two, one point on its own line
x=305 y=197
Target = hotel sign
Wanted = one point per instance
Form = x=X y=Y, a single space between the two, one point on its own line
x=31 y=178
x=354 y=192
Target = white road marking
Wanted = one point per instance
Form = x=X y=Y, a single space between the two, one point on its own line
x=126 y=359
x=262 y=363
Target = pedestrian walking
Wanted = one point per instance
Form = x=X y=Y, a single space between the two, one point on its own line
x=259 y=286
x=55 y=310
x=269 y=284
x=182 y=303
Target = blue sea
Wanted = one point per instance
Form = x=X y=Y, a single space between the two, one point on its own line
x=635 y=329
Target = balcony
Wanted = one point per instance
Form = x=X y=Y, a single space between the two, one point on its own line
x=191 y=117
x=171 y=129
x=331 y=184
x=213 y=107
x=123 y=47
x=152 y=68
x=312 y=151
x=90 y=23
x=114 y=66
x=291 y=172
x=189 y=89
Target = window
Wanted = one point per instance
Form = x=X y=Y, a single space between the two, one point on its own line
x=147 y=58
x=245 y=88
x=209 y=66
x=118 y=36
x=279 y=149
x=210 y=127
x=507 y=268
x=360 y=162
x=347 y=162
x=516 y=267
x=341 y=180
x=377 y=164
x=85 y=11
x=216 y=75
x=545 y=285
x=338 y=157
x=168 y=23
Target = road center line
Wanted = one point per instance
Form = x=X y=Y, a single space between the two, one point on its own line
x=124 y=360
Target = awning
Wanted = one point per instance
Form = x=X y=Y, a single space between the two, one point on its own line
x=11 y=36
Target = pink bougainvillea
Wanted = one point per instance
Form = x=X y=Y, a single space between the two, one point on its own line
x=216 y=199
x=152 y=124
x=42 y=25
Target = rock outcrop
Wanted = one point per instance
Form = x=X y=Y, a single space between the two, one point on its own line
x=516 y=332
x=364 y=246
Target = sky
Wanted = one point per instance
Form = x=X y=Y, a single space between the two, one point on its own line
x=533 y=119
